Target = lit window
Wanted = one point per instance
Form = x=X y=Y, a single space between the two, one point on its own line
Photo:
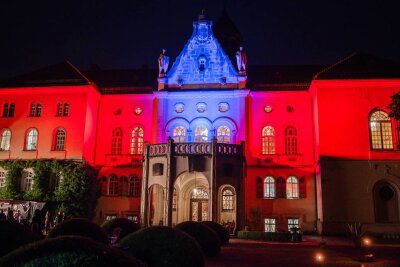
x=269 y=187
x=109 y=217
x=223 y=134
x=179 y=134
x=292 y=187
x=201 y=107
x=113 y=185
x=223 y=107
x=201 y=134
x=174 y=200
x=179 y=107
x=31 y=139
x=137 y=141
x=59 y=142
x=5 y=139
x=290 y=140
x=227 y=200
x=28 y=181
x=133 y=218
x=138 y=110
x=269 y=224
x=2 y=179
x=268 y=109
x=293 y=223
x=134 y=186
x=268 y=140
x=116 y=142
x=381 y=130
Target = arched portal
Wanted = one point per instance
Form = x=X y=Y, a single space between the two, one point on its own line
x=199 y=205
x=386 y=202
x=156 y=207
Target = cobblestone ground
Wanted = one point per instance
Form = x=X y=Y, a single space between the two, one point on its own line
x=338 y=252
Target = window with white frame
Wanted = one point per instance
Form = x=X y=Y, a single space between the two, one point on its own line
x=5 y=140
x=292 y=187
x=269 y=225
x=137 y=141
x=28 y=181
x=133 y=218
x=109 y=217
x=179 y=134
x=268 y=140
x=269 y=187
x=113 y=185
x=290 y=140
x=59 y=141
x=293 y=223
x=227 y=200
x=223 y=134
x=116 y=142
x=201 y=134
x=31 y=139
x=2 y=179
x=381 y=130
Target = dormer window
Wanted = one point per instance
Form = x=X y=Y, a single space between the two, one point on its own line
x=202 y=63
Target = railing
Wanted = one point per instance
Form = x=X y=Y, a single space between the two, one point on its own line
x=194 y=149
x=122 y=159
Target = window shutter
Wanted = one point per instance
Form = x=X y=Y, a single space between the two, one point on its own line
x=259 y=188
x=302 y=187
x=280 y=188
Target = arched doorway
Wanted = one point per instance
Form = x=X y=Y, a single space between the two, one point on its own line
x=156 y=207
x=386 y=202
x=199 y=205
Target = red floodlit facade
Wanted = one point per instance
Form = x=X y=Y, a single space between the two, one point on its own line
x=292 y=146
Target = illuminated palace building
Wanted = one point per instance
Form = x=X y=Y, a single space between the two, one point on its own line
x=267 y=147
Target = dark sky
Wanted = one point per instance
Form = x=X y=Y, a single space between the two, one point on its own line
x=128 y=34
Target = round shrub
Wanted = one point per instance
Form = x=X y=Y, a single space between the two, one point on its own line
x=79 y=227
x=66 y=251
x=204 y=235
x=163 y=246
x=221 y=231
x=13 y=235
x=119 y=227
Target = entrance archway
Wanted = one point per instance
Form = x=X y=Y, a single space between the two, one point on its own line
x=386 y=202
x=199 y=205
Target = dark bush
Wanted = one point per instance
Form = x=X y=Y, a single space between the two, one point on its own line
x=265 y=236
x=221 y=231
x=163 y=246
x=13 y=235
x=204 y=235
x=79 y=227
x=119 y=228
x=66 y=251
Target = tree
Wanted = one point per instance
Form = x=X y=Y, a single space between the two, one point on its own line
x=394 y=106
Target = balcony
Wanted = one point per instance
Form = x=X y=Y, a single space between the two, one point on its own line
x=183 y=149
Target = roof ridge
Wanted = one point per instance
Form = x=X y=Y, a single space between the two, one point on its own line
x=334 y=65
x=78 y=71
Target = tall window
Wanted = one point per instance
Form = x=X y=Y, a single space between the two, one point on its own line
x=66 y=109
x=269 y=224
x=179 y=134
x=290 y=140
x=134 y=186
x=38 y=110
x=28 y=181
x=62 y=109
x=31 y=139
x=32 y=110
x=268 y=140
x=201 y=134
x=113 y=185
x=59 y=140
x=227 y=200
x=269 y=187
x=5 y=139
x=35 y=110
x=137 y=141
x=59 y=109
x=381 y=130
x=223 y=134
x=8 y=110
x=293 y=223
x=116 y=141
x=2 y=179
x=124 y=187
x=292 y=187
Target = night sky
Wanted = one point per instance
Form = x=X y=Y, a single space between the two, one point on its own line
x=128 y=34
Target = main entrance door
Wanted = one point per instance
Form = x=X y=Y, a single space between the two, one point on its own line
x=199 y=205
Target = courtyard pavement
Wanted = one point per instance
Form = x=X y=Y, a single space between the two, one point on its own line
x=338 y=252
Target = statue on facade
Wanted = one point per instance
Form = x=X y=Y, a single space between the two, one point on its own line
x=163 y=62
x=241 y=59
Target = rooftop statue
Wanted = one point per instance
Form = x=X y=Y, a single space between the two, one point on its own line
x=241 y=60
x=163 y=62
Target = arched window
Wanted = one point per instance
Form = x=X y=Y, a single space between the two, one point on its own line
x=27 y=181
x=223 y=134
x=227 y=200
x=381 y=130
x=113 y=185
x=31 y=139
x=5 y=139
x=292 y=187
x=134 y=186
x=116 y=141
x=137 y=141
x=290 y=140
x=201 y=134
x=179 y=134
x=268 y=140
x=269 y=187
x=59 y=140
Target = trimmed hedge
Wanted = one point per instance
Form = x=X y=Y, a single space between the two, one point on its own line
x=204 y=235
x=221 y=231
x=68 y=251
x=163 y=246
x=79 y=227
x=265 y=236
x=13 y=235
x=125 y=226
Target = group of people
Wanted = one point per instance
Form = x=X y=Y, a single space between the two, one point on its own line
x=229 y=225
x=39 y=224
